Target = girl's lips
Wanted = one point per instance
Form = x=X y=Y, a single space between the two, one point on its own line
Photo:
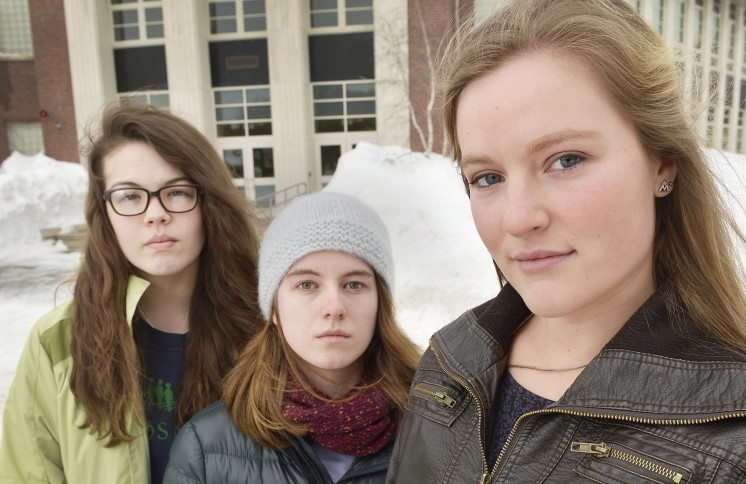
x=333 y=336
x=541 y=261
x=165 y=244
x=161 y=242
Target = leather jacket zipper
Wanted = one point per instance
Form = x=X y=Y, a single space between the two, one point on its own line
x=444 y=399
x=488 y=474
x=601 y=450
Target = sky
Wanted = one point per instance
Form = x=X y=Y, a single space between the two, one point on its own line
x=442 y=268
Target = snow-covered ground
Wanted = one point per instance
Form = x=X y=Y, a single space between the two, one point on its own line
x=442 y=268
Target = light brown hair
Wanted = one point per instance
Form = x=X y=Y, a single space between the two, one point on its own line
x=255 y=388
x=107 y=368
x=693 y=252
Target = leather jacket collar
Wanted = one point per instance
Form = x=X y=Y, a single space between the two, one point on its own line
x=653 y=370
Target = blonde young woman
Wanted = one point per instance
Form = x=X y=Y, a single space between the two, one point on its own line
x=615 y=350
x=317 y=396
x=164 y=299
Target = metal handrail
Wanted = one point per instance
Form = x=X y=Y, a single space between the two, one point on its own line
x=270 y=200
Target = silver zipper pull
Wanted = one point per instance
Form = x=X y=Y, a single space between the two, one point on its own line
x=599 y=450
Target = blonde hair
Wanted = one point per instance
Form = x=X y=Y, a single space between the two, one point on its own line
x=255 y=388
x=695 y=263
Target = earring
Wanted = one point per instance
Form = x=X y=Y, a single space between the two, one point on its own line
x=665 y=186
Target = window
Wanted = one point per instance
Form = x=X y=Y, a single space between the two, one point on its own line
x=15 y=29
x=263 y=158
x=680 y=20
x=243 y=112
x=341 y=57
x=699 y=26
x=234 y=160
x=715 y=34
x=265 y=195
x=730 y=33
x=137 y=20
x=141 y=98
x=139 y=53
x=329 y=157
x=264 y=162
x=240 y=75
x=25 y=138
x=239 y=62
x=341 y=13
x=141 y=68
x=657 y=23
x=348 y=106
x=236 y=16
x=743 y=60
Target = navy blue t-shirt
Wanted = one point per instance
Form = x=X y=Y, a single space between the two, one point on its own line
x=163 y=357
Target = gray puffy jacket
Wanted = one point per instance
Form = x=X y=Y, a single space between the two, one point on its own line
x=209 y=449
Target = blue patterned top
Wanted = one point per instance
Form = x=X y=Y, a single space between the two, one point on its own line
x=512 y=401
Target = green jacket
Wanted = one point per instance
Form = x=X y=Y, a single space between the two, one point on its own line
x=42 y=438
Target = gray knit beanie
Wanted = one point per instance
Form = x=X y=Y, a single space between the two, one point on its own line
x=321 y=221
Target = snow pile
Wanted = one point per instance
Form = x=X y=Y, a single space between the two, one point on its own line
x=441 y=266
x=37 y=192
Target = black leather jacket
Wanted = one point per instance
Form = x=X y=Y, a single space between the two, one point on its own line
x=653 y=406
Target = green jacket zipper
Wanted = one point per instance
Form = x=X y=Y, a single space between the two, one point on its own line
x=488 y=474
x=601 y=450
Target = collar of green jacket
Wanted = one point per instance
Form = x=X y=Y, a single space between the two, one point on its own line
x=55 y=330
x=135 y=289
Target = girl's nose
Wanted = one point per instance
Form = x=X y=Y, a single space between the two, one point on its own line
x=525 y=211
x=155 y=213
x=334 y=308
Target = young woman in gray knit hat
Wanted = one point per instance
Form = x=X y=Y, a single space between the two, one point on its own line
x=316 y=397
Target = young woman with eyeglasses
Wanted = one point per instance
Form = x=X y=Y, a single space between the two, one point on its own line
x=164 y=299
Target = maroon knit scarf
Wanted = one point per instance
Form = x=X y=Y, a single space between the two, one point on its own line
x=361 y=425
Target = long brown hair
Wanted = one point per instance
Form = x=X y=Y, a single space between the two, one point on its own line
x=255 y=388
x=693 y=251
x=223 y=312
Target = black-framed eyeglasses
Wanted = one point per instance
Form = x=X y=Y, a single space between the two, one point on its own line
x=131 y=201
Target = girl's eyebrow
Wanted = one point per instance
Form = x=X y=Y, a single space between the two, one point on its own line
x=360 y=273
x=302 y=272
x=540 y=144
x=310 y=272
x=165 y=184
x=554 y=138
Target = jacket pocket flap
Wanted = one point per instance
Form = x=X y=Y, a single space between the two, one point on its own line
x=437 y=401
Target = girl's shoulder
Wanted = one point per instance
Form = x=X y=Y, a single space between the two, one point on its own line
x=214 y=427
x=52 y=333
x=209 y=448
x=59 y=314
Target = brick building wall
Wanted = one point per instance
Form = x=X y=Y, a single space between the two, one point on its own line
x=440 y=17
x=53 y=81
